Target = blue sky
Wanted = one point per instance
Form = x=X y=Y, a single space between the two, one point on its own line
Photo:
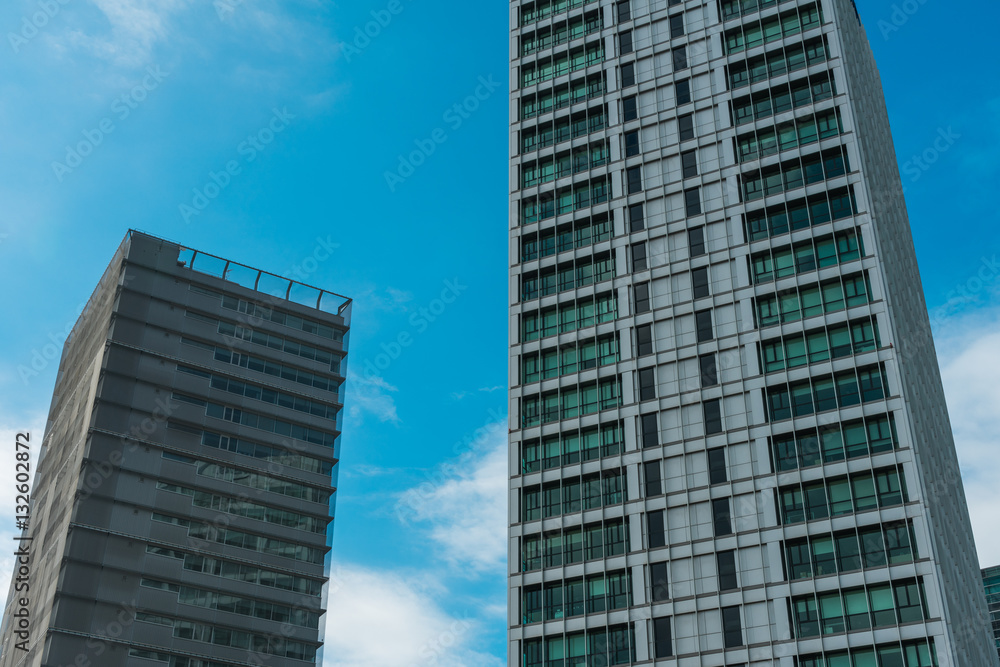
x=308 y=119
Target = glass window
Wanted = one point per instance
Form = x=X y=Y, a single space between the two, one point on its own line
x=882 y=608
x=792 y=506
x=795 y=351
x=658 y=581
x=596 y=594
x=872 y=548
x=802 y=400
x=832 y=613
x=908 y=604
x=840 y=497
x=825 y=394
x=774 y=356
x=799 y=563
x=863 y=487
x=818 y=347
x=833 y=444
x=864 y=658
x=815 y=495
x=899 y=542
x=784 y=453
x=848 y=393
x=808 y=446
x=824 y=560
x=890 y=491
x=871 y=384
x=856 y=606
x=848 y=553
x=721 y=517
x=806 y=617
x=663 y=643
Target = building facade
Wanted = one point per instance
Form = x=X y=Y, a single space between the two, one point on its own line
x=991 y=581
x=729 y=439
x=182 y=509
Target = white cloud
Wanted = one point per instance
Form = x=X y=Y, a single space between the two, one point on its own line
x=135 y=28
x=466 y=506
x=371 y=395
x=386 y=619
x=970 y=364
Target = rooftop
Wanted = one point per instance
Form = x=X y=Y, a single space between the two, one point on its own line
x=258 y=280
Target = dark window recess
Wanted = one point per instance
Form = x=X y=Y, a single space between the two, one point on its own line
x=689 y=164
x=636 y=220
x=641 y=298
x=703 y=321
x=726 y=561
x=631 y=143
x=685 y=127
x=663 y=643
x=654 y=529
x=639 y=261
x=647 y=384
x=682 y=91
x=625 y=42
x=717 y=465
x=732 y=629
x=634 y=177
x=630 y=110
x=699 y=283
x=709 y=371
x=713 y=416
x=660 y=586
x=696 y=241
x=680 y=56
x=624 y=11
x=692 y=201
x=677 y=25
x=644 y=340
x=721 y=517
x=654 y=487
x=628 y=75
x=650 y=431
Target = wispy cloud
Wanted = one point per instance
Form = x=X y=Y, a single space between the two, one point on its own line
x=393 y=619
x=464 y=508
x=970 y=361
x=131 y=31
x=371 y=396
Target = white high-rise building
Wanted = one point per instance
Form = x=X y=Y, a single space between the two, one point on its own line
x=729 y=438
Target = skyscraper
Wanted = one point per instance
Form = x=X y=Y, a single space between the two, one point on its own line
x=181 y=511
x=729 y=439
x=991 y=581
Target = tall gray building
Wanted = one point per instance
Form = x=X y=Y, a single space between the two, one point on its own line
x=729 y=438
x=182 y=508
x=991 y=582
